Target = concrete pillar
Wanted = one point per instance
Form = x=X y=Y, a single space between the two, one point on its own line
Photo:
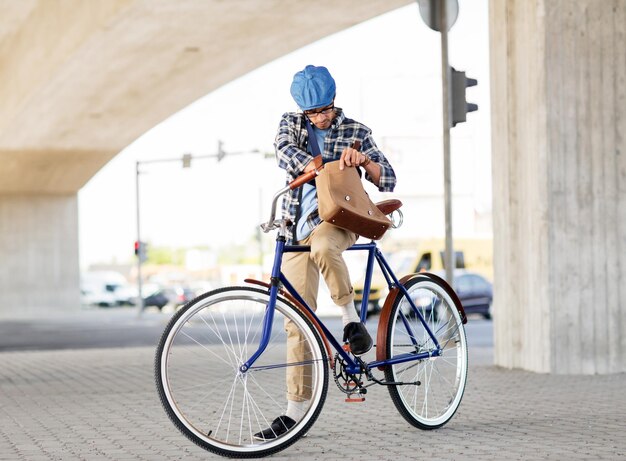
x=558 y=84
x=39 y=271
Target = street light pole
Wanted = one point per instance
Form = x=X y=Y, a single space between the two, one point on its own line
x=186 y=163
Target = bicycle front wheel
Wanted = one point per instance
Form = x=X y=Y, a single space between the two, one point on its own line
x=213 y=403
x=434 y=385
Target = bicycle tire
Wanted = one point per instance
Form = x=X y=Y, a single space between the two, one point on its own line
x=434 y=401
x=198 y=357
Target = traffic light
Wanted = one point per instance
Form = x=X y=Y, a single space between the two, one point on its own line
x=220 y=151
x=141 y=250
x=460 y=107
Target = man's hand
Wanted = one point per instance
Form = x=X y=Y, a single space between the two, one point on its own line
x=351 y=157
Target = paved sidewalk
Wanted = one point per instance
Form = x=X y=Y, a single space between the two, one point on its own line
x=101 y=404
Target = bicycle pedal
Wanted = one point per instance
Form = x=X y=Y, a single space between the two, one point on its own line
x=355 y=399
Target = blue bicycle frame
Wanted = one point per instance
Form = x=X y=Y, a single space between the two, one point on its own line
x=352 y=366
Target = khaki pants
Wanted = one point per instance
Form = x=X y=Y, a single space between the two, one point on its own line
x=327 y=243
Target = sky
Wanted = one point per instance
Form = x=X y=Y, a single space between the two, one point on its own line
x=388 y=76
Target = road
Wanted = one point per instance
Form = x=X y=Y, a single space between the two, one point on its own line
x=122 y=327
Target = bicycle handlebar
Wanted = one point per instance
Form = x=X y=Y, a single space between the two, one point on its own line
x=272 y=224
x=299 y=181
x=302 y=179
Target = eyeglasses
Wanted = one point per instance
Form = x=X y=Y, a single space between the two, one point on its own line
x=322 y=111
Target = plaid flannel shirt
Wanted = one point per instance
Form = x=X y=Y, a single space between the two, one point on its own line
x=292 y=156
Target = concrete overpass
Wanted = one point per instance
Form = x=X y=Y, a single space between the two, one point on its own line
x=83 y=79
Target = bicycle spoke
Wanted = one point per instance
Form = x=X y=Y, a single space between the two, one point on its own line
x=218 y=334
x=207 y=349
x=262 y=389
x=243 y=407
x=230 y=339
x=258 y=408
x=230 y=398
x=446 y=384
x=201 y=385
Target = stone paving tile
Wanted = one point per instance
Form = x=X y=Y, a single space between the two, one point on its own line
x=102 y=405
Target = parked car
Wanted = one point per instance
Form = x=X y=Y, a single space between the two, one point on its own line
x=105 y=289
x=474 y=291
x=158 y=299
x=93 y=294
x=174 y=296
x=179 y=296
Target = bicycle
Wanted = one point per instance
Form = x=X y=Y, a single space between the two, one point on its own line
x=221 y=362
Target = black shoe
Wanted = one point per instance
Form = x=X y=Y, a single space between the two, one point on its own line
x=358 y=337
x=279 y=426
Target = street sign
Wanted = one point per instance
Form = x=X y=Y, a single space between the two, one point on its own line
x=430 y=10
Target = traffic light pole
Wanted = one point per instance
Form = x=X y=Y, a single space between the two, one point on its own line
x=440 y=16
x=139 y=287
x=447 y=180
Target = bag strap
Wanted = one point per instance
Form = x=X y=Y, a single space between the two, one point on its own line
x=315 y=148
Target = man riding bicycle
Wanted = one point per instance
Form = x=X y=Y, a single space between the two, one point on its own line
x=313 y=89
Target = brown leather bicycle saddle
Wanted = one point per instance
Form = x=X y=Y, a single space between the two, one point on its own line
x=389 y=206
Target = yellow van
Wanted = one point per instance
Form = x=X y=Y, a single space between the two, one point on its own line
x=473 y=254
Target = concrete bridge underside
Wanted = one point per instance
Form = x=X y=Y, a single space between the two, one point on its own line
x=83 y=79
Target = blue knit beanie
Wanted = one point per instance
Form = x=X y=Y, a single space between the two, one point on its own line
x=313 y=87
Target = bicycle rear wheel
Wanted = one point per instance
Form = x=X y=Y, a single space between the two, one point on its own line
x=202 y=389
x=438 y=382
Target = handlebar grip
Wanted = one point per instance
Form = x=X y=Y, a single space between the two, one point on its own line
x=303 y=178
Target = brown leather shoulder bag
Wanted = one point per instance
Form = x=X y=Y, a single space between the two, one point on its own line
x=343 y=201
